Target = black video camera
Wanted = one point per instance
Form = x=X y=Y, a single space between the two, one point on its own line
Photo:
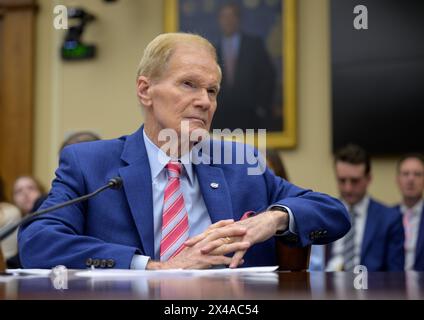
x=73 y=48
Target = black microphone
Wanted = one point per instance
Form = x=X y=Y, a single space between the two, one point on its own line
x=114 y=183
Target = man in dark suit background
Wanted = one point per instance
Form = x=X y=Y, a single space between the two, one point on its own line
x=410 y=179
x=249 y=79
x=376 y=237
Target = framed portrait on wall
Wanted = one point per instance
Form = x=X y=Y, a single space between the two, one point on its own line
x=255 y=42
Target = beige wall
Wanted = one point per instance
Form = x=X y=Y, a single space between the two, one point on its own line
x=100 y=94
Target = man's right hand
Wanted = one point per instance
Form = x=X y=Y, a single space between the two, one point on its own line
x=192 y=257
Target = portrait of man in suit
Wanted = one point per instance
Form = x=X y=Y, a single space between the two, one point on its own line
x=249 y=42
x=248 y=87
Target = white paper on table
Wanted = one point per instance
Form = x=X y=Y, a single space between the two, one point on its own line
x=32 y=272
x=124 y=273
x=232 y=271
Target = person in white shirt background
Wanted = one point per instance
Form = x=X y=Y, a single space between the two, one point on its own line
x=376 y=237
x=410 y=179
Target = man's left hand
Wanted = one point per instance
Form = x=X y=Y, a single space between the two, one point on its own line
x=259 y=228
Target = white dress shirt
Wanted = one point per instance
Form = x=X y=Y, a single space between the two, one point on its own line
x=361 y=210
x=410 y=246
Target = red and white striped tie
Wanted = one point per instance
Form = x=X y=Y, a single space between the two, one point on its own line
x=174 y=216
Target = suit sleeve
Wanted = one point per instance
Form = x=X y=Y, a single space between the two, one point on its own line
x=319 y=218
x=395 y=241
x=58 y=238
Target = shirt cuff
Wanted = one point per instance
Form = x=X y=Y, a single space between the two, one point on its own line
x=292 y=224
x=139 y=262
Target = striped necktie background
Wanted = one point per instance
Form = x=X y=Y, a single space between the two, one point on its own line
x=349 y=245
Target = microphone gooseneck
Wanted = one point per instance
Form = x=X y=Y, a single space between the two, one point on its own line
x=114 y=183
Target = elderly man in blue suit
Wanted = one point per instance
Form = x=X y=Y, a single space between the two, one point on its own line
x=410 y=179
x=173 y=213
x=376 y=237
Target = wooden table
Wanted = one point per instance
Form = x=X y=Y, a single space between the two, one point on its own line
x=256 y=286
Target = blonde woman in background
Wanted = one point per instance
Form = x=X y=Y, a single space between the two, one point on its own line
x=26 y=191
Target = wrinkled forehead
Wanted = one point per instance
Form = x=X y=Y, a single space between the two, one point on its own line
x=194 y=57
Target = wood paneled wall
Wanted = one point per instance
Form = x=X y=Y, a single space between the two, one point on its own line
x=17 y=31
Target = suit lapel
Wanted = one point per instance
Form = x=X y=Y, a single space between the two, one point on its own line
x=370 y=228
x=419 y=250
x=215 y=192
x=137 y=182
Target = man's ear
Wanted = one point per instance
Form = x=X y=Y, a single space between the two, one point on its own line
x=143 y=92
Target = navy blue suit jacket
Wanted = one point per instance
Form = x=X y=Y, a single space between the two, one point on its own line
x=419 y=250
x=382 y=244
x=117 y=224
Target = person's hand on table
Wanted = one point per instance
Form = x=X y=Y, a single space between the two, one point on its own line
x=192 y=256
x=258 y=229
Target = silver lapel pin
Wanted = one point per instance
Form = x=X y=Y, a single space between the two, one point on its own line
x=214 y=185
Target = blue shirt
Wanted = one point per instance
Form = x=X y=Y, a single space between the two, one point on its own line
x=198 y=216
x=231 y=44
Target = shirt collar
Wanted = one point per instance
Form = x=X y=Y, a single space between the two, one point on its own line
x=416 y=210
x=359 y=208
x=154 y=153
